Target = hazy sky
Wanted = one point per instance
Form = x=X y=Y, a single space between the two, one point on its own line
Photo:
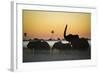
x=39 y=24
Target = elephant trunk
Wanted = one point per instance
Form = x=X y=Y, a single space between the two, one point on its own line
x=65 y=31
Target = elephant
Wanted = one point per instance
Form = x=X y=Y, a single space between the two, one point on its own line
x=39 y=46
x=61 y=46
x=76 y=42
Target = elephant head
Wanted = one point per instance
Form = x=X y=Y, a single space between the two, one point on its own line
x=70 y=37
x=76 y=42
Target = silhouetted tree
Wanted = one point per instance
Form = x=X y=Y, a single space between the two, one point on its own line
x=25 y=34
x=52 y=32
x=58 y=38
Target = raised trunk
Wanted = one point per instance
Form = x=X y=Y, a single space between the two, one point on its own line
x=65 y=31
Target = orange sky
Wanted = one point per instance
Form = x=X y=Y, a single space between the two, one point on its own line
x=39 y=24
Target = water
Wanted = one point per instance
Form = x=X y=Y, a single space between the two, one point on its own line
x=25 y=44
x=30 y=55
x=51 y=43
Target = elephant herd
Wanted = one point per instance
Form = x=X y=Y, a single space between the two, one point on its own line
x=74 y=43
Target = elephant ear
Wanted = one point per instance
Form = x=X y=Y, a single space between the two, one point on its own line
x=69 y=37
x=77 y=36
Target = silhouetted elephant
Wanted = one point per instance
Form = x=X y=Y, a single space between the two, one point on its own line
x=39 y=46
x=76 y=42
x=61 y=46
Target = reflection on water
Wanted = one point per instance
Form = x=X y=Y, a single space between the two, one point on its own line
x=33 y=55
